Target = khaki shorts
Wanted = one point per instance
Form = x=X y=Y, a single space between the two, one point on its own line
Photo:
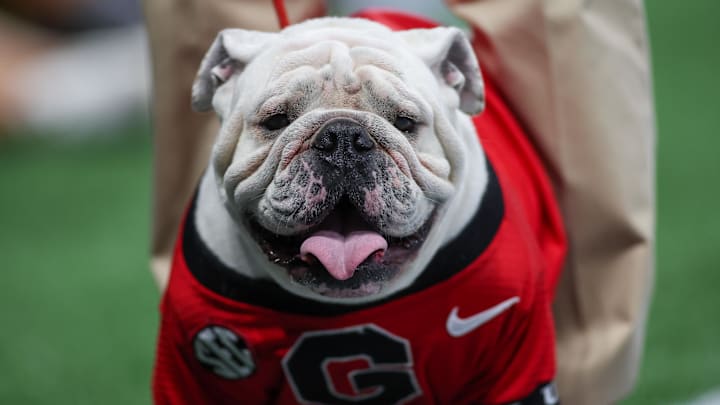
x=576 y=73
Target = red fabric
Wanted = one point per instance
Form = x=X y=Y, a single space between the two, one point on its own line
x=281 y=13
x=499 y=362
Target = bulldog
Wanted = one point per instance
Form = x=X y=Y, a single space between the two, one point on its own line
x=348 y=240
x=344 y=148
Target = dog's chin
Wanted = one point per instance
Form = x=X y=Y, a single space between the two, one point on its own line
x=370 y=278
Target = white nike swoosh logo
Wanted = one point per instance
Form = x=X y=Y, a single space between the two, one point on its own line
x=457 y=326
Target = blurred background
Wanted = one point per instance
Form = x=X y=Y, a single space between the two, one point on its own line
x=78 y=308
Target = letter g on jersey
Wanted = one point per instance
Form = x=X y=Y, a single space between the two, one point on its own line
x=223 y=352
x=385 y=377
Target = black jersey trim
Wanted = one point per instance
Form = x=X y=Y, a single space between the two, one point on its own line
x=448 y=261
x=545 y=394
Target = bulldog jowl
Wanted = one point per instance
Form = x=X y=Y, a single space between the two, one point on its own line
x=350 y=197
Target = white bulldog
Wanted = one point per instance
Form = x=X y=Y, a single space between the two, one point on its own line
x=350 y=241
x=346 y=156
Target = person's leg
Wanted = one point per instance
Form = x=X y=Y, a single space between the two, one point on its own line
x=180 y=32
x=21 y=44
x=577 y=74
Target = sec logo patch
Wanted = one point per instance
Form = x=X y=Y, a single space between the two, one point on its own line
x=223 y=352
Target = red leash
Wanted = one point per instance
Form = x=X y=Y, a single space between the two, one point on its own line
x=281 y=13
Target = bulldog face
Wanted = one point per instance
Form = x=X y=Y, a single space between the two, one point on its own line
x=338 y=147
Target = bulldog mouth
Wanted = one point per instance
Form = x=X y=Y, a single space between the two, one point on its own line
x=343 y=256
x=341 y=245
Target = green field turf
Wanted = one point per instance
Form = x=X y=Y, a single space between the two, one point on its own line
x=77 y=317
x=78 y=307
x=682 y=356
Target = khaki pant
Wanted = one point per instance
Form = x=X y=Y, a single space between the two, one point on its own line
x=577 y=75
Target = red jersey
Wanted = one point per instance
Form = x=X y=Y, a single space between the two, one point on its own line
x=475 y=327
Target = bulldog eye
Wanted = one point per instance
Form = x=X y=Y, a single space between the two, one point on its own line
x=275 y=122
x=404 y=124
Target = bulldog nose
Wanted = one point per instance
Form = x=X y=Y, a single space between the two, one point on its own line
x=343 y=135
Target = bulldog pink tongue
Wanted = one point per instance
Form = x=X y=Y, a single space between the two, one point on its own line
x=341 y=254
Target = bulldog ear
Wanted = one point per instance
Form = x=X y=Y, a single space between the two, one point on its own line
x=228 y=55
x=448 y=53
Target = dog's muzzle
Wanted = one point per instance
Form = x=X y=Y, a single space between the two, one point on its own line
x=343 y=251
